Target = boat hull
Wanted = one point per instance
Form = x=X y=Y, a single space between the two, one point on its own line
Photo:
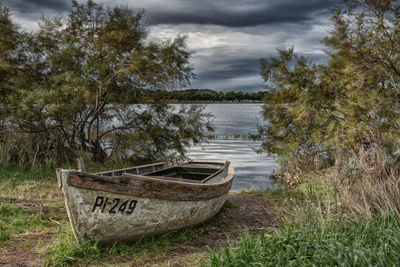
x=110 y=217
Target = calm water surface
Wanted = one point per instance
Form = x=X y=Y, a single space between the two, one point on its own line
x=252 y=170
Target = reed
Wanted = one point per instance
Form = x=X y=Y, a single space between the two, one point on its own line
x=30 y=148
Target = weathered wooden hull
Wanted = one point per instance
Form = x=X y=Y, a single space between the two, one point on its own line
x=110 y=217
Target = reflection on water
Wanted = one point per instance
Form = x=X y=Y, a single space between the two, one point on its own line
x=233 y=119
x=252 y=170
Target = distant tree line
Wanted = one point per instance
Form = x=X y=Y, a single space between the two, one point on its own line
x=198 y=95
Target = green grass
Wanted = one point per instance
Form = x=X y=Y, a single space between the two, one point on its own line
x=15 y=221
x=333 y=243
x=66 y=250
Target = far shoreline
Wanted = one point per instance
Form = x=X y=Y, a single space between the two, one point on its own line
x=199 y=102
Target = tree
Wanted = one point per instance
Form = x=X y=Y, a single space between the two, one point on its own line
x=294 y=108
x=347 y=107
x=77 y=78
x=9 y=43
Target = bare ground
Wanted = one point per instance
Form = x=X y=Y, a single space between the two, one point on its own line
x=247 y=213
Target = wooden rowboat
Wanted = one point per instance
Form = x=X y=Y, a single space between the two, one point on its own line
x=127 y=204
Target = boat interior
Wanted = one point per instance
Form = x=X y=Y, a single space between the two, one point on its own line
x=194 y=172
x=186 y=173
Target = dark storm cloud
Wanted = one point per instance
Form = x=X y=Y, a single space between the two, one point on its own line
x=240 y=68
x=231 y=68
x=30 y=8
x=224 y=19
x=234 y=13
x=227 y=73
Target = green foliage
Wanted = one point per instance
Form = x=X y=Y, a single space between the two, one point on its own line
x=326 y=114
x=8 y=44
x=343 y=113
x=75 y=80
x=293 y=108
x=334 y=243
x=9 y=57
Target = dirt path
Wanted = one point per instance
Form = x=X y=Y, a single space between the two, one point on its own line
x=246 y=212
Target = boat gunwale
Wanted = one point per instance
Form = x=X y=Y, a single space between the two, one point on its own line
x=151 y=186
x=132 y=168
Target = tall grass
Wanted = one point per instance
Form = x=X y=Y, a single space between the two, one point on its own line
x=334 y=243
x=40 y=172
x=372 y=197
x=375 y=189
x=21 y=148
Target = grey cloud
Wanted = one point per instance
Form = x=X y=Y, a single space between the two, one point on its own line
x=38 y=6
x=230 y=68
x=223 y=19
x=229 y=74
x=231 y=13
x=255 y=13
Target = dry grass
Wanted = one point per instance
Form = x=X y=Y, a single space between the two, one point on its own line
x=29 y=148
x=374 y=187
x=371 y=197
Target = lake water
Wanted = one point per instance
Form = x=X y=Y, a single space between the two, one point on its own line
x=252 y=170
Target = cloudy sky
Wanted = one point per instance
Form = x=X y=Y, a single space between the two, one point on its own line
x=227 y=37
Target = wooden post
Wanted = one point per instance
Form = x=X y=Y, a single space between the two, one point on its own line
x=81 y=165
x=226 y=165
x=59 y=181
